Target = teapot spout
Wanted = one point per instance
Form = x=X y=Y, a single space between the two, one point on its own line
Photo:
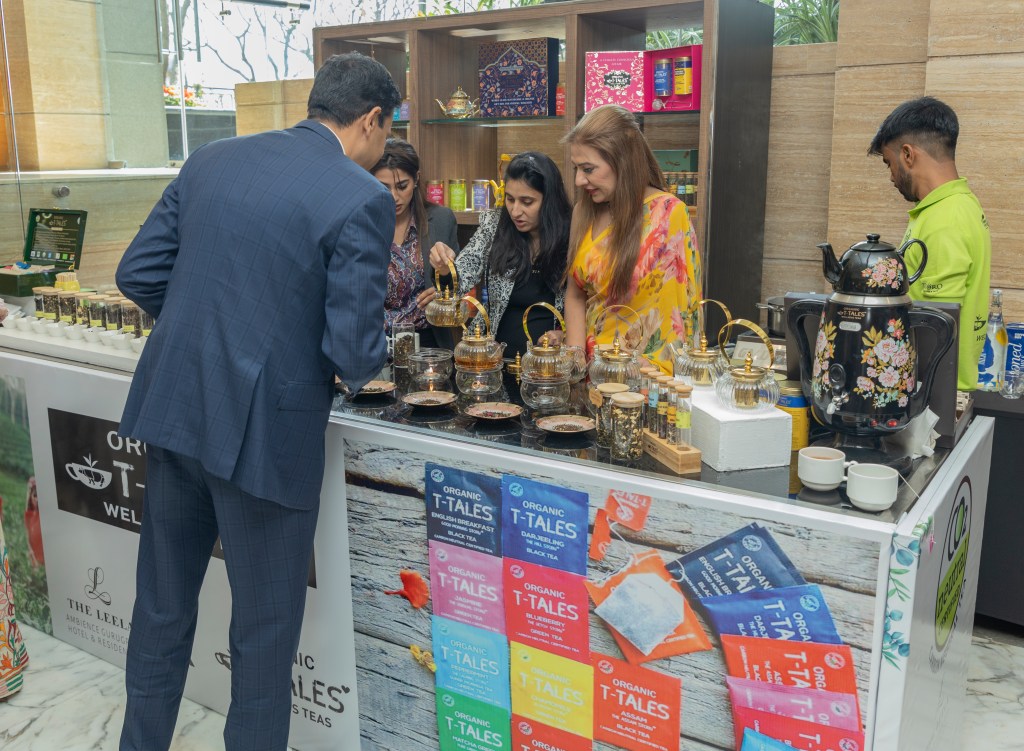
x=442 y=105
x=830 y=264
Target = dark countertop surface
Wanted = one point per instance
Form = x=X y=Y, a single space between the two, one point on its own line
x=521 y=434
x=993 y=404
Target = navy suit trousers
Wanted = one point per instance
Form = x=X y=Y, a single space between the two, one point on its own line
x=267 y=551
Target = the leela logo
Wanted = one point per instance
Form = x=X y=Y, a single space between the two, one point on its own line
x=953 y=566
x=97 y=473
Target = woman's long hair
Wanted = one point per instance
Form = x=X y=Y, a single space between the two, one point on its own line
x=614 y=133
x=510 y=250
x=400 y=155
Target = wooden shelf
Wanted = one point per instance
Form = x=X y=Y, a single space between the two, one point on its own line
x=496 y=122
x=430 y=57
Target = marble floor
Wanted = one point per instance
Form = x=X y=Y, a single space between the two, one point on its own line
x=73 y=701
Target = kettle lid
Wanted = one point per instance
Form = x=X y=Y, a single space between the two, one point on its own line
x=874 y=243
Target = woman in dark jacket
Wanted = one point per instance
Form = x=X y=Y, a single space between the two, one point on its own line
x=418 y=225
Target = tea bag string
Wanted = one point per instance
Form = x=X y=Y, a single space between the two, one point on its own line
x=632 y=559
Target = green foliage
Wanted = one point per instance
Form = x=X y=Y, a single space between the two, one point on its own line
x=796 y=22
x=31 y=601
x=659 y=40
x=15 y=448
x=805 y=21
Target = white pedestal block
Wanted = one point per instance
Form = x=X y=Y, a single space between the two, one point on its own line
x=731 y=440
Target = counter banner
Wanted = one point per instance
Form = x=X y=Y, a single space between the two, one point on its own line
x=98 y=474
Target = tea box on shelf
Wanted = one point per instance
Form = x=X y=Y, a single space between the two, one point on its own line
x=518 y=77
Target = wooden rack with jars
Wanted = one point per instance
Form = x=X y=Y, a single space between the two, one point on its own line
x=430 y=57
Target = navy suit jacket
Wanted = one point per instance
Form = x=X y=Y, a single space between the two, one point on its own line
x=265 y=263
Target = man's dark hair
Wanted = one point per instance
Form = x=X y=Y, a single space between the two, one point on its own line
x=926 y=122
x=348 y=86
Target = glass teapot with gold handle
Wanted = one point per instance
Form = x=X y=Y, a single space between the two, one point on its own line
x=478 y=349
x=699 y=366
x=544 y=360
x=615 y=362
x=747 y=387
x=446 y=309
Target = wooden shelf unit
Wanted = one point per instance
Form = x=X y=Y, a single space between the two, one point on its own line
x=730 y=131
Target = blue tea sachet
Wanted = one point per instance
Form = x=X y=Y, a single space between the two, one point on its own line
x=746 y=560
x=797 y=613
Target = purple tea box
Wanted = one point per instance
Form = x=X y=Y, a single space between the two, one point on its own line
x=518 y=77
x=614 y=78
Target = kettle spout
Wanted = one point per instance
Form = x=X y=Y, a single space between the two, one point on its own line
x=830 y=264
x=442 y=105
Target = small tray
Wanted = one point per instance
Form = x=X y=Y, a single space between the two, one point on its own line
x=566 y=424
x=376 y=388
x=494 y=411
x=429 y=398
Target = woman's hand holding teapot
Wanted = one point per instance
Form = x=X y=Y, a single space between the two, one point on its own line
x=440 y=255
x=424 y=298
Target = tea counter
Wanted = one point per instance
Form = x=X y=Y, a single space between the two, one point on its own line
x=900 y=587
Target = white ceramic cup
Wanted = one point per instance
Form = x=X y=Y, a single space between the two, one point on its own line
x=872 y=487
x=821 y=468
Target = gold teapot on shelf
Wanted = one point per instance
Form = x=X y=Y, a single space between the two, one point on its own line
x=446 y=309
x=459 y=106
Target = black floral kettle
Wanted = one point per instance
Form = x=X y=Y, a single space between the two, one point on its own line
x=862 y=376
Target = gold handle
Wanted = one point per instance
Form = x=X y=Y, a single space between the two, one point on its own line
x=724 y=332
x=479 y=306
x=455 y=277
x=547 y=305
x=604 y=314
x=725 y=310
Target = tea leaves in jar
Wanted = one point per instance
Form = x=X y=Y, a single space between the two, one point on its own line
x=66 y=306
x=82 y=307
x=627 y=430
x=37 y=293
x=130 y=320
x=98 y=311
x=113 y=317
x=147 y=322
x=51 y=304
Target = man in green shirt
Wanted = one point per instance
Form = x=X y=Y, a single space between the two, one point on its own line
x=917 y=142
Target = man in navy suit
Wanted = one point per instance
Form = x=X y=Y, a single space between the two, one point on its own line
x=265 y=264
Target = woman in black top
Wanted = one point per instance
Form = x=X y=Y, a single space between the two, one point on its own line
x=518 y=253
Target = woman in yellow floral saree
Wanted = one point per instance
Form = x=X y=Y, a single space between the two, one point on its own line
x=13 y=657
x=631 y=244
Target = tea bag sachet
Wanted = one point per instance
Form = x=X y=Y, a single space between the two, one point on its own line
x=741 y=561
x=828 y=667
x=646 y=612
x=795 y=734
x=790 y=613
x=812 y=705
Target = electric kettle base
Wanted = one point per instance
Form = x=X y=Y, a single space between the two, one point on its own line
x=869 y=450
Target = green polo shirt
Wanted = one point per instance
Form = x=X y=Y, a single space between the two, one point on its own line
x=951 y=222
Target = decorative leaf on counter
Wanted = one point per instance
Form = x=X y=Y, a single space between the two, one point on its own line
x=414 y=588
